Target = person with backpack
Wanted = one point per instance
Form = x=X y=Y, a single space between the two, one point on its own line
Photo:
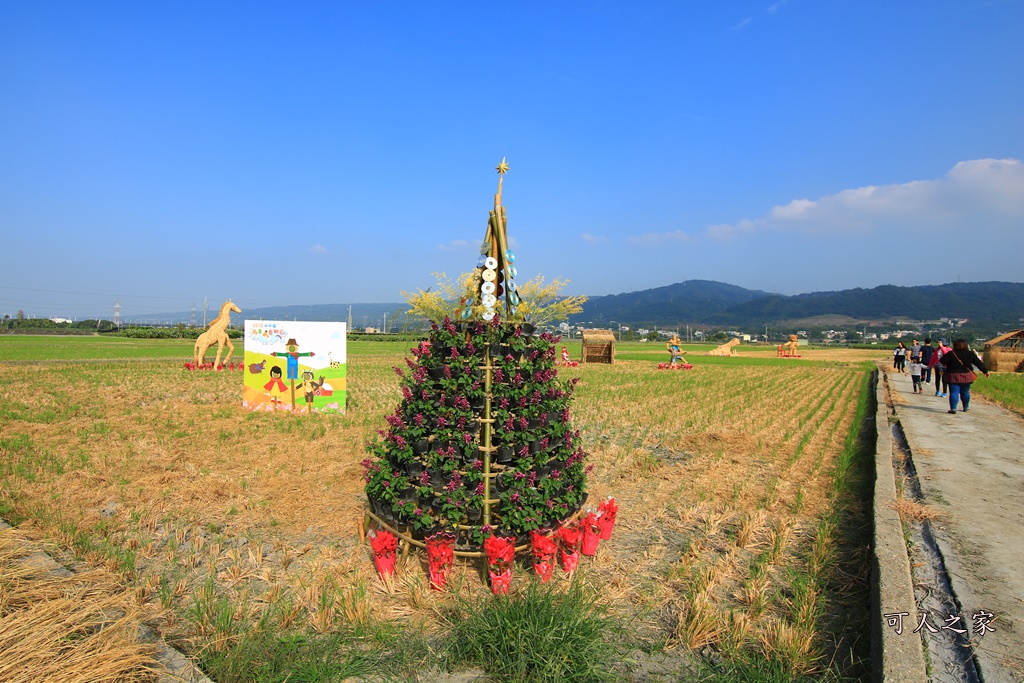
x=957 y=371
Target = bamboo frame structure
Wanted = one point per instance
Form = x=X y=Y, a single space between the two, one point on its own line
x=480 y=306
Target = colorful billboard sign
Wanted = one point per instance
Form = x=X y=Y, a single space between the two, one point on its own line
x=294 y=365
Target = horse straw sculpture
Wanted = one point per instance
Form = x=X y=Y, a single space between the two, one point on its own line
x=216 y=334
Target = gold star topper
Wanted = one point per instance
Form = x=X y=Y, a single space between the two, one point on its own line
x=502 y=168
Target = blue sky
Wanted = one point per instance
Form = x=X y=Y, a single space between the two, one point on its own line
x=299 y=153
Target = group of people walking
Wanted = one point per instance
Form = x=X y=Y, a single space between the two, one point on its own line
x=952 y=367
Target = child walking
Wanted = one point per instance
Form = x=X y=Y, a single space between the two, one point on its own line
x=915 y=375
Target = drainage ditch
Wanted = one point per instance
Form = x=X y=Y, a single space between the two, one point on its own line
x=950 y=656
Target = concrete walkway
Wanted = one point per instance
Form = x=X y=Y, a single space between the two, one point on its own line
x=969 y=468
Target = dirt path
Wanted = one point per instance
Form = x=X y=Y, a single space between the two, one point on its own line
x=970 y=467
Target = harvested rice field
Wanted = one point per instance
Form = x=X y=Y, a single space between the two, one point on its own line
x=742 y=531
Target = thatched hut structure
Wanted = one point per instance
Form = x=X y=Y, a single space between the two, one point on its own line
x=598 y=346
x=1005 y=353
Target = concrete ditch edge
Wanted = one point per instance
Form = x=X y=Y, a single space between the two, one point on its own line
x=896 y=658
x=177 y=668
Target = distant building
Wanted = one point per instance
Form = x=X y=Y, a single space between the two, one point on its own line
x=60 y=321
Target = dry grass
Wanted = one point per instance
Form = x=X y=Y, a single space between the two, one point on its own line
x=699 y=623
x=790 y=644
x=717 y=470
x=912 y=511
x=77 y=629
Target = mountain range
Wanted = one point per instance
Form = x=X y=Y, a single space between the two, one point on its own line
x=710 y=303
x=705 y=302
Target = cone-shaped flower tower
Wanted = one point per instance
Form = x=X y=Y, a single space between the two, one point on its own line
x=482 y=442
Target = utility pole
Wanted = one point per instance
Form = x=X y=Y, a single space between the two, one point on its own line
x=204 y=312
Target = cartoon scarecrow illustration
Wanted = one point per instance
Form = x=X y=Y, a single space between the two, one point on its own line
x=292 y=356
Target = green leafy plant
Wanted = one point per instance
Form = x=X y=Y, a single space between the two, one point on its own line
x=538 y=635
x=383 y=483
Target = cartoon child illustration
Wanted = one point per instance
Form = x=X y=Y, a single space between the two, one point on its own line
x=275 y=387
x=308 y=387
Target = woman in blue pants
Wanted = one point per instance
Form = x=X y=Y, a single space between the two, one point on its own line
x=957 y=364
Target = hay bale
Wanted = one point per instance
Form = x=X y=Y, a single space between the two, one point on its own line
x=1005 y=353
x=598 y=346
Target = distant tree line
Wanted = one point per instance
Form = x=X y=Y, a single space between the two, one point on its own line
x=179 y=331
x=23 y=325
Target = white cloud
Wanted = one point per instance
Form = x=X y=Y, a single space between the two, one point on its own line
x=794 y=210
x=593 y=239
x=650 y=238
x=725 y=231
x=982 y=194
x=454 y=245
x=317 y=249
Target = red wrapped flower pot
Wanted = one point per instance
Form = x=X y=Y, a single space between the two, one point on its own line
x=591 y=534
x=544 y=550
x=606 y=517
x=441 y=555
x=570 y=537
x=384 y=545
x=500 y=553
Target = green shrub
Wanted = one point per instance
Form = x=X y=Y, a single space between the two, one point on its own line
x=540 y=634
